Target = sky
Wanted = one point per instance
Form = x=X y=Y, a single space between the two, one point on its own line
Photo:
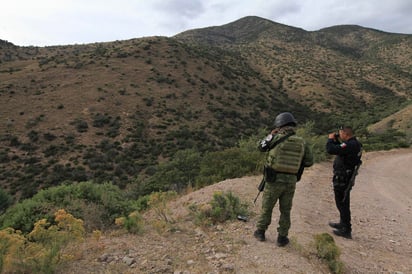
x=68 y=22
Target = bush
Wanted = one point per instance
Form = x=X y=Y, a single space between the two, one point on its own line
x=4 y=157
x=97 y=204
x=385 y=141
x=317 y=142
x=42 y=250
x=5 y=200
x=133 y=223
x=158 y=202
x=100 y=120
x=81 y=126
x=177 y=174
x=230 y=163
x=329 y=252
x=223 y=207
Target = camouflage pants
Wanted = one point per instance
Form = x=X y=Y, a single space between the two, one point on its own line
x=273 y=192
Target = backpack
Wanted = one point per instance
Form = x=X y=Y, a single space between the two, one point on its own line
x=286 y=157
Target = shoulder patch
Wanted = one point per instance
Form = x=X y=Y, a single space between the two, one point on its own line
x=343 y=145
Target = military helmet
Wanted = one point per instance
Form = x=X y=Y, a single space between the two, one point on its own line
x=285 y=118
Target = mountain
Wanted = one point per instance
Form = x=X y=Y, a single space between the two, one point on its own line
x=326 y=70
x=243 y=31
x=113 y=111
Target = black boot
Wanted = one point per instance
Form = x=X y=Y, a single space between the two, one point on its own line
x=343 y=232
x=282 y=240
x=335 y=225
x=260 y=235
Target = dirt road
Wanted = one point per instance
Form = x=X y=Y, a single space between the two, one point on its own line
x=381 y=204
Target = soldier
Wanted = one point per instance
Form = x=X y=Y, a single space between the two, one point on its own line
x=347 y=161
x=287 y=155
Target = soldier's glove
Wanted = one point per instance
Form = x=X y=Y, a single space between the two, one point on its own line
x=264 y=144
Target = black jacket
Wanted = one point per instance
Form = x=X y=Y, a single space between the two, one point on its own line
x=348 y=154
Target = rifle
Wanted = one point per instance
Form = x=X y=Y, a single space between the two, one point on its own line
x=262 y=183
x=351 y=182
x=261 y=187
x=300 y=171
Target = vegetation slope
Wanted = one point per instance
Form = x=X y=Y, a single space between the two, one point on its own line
x=115 y=111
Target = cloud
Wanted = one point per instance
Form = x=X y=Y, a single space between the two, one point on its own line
x=50 y=22
x=181 y=8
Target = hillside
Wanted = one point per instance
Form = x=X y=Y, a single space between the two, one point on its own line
x=342 y=68
x=382 y=218
x=113 y=111
x=401 y=120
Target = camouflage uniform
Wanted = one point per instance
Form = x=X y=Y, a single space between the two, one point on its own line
x=282 y=189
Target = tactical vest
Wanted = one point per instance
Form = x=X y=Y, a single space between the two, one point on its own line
x=287 y=156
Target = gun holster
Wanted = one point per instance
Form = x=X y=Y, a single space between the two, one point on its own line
x=270 y=174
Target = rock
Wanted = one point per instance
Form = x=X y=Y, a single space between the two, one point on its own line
x=228 y=267
x=128 y=260
x=103 y=258
x=220 y=256
x=199 y=232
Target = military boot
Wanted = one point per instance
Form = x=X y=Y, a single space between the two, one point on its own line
x=282 y=240
x=335 y=225
x=260 y=235
x=343 y=232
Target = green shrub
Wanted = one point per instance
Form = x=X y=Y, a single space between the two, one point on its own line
x=384 y=141
x=33 y=136
x=233 y=162
x=100 y=120
x=142 y=203
x=81 y=125
x=317 y=142
x=329 y=252
x=97 y=204
x=158 y=202
x=178 y=173
x=23 y=215
x=43 y=249
x=223 y=207
x=4 y=157
x=133 y=223
x=5 y=200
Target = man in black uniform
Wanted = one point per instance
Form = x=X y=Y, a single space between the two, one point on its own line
x=348 y=153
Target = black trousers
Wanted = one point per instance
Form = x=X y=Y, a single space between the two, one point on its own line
x=343 y=205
